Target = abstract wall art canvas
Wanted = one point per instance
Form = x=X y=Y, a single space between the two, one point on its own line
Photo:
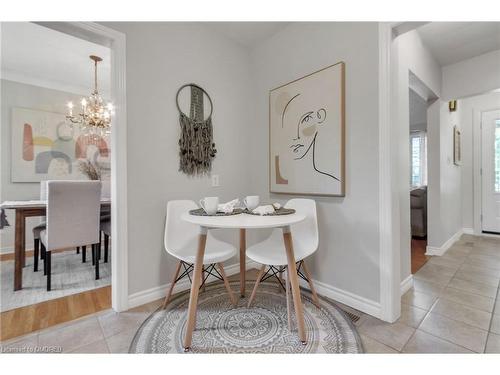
x=307 y=134
x=44 y=146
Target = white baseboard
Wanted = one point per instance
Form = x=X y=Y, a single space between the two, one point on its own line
x=153 y=294
x=468 y=231
x=406 y=284
x=431 y=250
x=365 y=305
x=6 y=250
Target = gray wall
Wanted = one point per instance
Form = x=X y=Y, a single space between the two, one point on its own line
x=348 y=257
x=160 y=58
x=16 y=94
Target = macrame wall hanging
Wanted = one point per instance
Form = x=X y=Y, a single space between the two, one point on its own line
x=196 y=145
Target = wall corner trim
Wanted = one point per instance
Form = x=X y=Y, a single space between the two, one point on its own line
x=406 y=284
x=468 y=231
x=432 y=250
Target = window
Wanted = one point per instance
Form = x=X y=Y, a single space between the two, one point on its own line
x=418 y=158
x=497 y=156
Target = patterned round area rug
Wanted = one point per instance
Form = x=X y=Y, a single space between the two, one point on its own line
x=262 y=328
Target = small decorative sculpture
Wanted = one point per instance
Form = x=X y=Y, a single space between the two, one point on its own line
x=196 y=146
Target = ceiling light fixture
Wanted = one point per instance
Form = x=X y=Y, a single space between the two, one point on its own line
x=95 y=114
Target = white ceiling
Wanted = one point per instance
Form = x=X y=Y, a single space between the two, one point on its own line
x=451 y=42
x=247 y=34
x=40 y=56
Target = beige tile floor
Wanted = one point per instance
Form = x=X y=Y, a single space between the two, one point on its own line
x=454 y=307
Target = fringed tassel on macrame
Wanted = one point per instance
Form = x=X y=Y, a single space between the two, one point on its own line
x=196 y=146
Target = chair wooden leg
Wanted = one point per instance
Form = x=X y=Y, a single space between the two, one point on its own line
x=257 y=282
x=226 y=284
x=78 y=249
x=36 y=248
x=106 y=247
x=94 y=252
x=288 y=302
x=172 y=284
x=93 y=255
x=84 y=254
x=311 y=285
x=48 y=261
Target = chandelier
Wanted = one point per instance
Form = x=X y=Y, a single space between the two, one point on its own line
x=95 y=115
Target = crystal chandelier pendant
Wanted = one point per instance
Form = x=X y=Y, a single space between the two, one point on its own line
x=95 y=114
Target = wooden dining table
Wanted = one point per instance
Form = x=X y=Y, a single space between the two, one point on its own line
x=23 y=210
x=242 y=222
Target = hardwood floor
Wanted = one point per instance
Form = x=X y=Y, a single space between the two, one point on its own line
x=418 y=257
x=46 y=314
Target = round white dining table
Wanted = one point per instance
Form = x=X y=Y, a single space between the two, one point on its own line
x=242 y=222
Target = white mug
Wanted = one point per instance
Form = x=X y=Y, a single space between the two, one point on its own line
x=210 y=205
x=251 y=202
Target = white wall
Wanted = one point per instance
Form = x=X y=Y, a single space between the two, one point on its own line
x=348 y=257
x=160 y=58
x=474 y=76
x=469 y=108
x=450 y=187
x=409 y=55
x=16 y=94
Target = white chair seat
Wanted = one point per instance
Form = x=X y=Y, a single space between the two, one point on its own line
x=215 y=251
x=272 y=250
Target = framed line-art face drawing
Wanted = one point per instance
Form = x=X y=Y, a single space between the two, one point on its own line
x=307 y=134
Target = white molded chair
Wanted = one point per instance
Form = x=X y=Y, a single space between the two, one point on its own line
x=72 y=219
x=271 y=252
x=181 y=241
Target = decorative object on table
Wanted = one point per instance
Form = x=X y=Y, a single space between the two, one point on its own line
x=251 y=202
x=223 y=328
x=95 y=115
x=452 y=105
x=223 y=209
x=90 y=170
x=274 y=209
x=46 y=147
x=196 y=145
x=307 y=134
x=457 y=147
x=228 y=207
x=201 y=212
x=210 y=205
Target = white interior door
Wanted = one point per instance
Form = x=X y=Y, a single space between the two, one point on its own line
x=490 y=171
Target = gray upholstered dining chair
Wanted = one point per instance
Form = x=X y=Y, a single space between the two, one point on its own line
x=72 y=219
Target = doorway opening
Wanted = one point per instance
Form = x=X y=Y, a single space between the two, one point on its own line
x=49 y=86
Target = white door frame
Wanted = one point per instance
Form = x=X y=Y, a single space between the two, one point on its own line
x=477 y=115
x=389 y=259
x=116 y=41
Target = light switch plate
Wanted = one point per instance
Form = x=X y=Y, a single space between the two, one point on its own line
x=215 y=180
